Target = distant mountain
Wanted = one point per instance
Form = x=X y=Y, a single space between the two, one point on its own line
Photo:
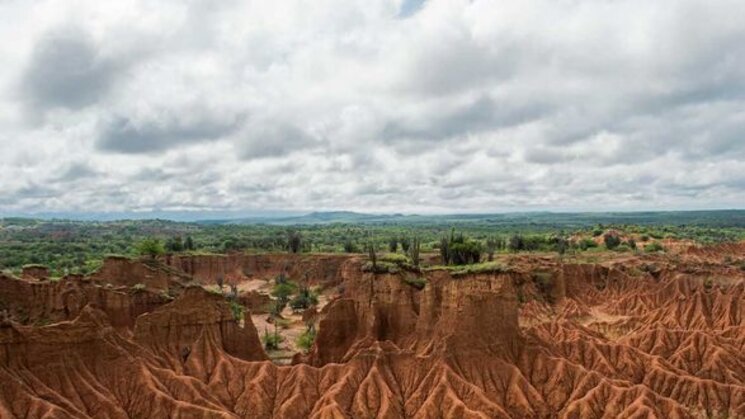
x=713 y=218
x=720 y=218
x=328 y=217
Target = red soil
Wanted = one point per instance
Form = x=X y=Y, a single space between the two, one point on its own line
x=633 y=336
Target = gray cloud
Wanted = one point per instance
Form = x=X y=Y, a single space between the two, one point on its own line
x=66 y=70
x=272 y=138
x=124 y=135
x=76 y=171
x=401 y=105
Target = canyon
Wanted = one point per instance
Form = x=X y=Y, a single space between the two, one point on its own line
x=544 y=336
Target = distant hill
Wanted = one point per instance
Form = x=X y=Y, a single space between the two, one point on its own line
x=714 y=218
x=711 y=218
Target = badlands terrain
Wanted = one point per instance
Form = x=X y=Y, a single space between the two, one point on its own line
x=603 y=335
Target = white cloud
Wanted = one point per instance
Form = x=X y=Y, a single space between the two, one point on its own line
x=437 y=105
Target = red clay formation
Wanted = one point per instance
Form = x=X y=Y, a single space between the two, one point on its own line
x=653 y=336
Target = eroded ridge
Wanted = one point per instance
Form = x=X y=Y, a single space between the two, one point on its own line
x=630 y=336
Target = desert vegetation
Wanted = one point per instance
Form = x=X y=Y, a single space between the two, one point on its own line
x=79 y=247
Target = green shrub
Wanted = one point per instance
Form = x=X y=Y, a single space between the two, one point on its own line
x=654 y=247
x=478 y=268
x=166 y=294
x=272 y=340
x=623 y=248
x=304 y=299
x=237 y=310
x=585 y=244
x=396 y=258
x=611 y=240
x=306 y=339
x=416 y=282
x=381 y=268
x=283 y=290
x=138 y=287
x=151 y=247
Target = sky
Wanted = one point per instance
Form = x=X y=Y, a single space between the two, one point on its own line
x=413 y=106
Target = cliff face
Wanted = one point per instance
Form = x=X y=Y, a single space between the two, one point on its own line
x=236 y=267
x=42 y=303
x=650 y=336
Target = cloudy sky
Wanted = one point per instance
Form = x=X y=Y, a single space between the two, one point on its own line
x=371 y=105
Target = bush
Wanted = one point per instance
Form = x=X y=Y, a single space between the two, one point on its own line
x=393 y=245
x=174 y=244
x=477 y=268
x=611 y=240
x=623 y=248
x=138 y=287
x=305 y=299
x=283 y=290
x=349 y=246
x=272 y=340
x=416 y=282
x=381 y=268
x=654 y=247
x=150 y=247
x=237 y=310
x=585 y=244
x=294 y=241
x=276 y=307
x=306 y=339
x=396 y=258
x=516 y=243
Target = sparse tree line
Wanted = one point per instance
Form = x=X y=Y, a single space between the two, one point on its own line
x=80 y=247
x=456 y=248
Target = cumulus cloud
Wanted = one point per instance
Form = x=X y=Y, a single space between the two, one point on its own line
x=66 y=70
x=393 y=105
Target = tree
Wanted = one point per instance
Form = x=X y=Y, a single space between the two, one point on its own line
x=561 y=244
x=611 y=240
x=464 y=252
x=405 y=244
x=445 y=251
x=189 y=243
x=459 y=250
x=371 y=252
x=491 y=247
x=174 y=244
x=304 y=299
x=393 y=245
x=294 y=240
x=516 y=243
x=272 y=341
x=349 y=246
x=414 y=246
x=151 y=247
x=283 y=289
x=586 y=243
